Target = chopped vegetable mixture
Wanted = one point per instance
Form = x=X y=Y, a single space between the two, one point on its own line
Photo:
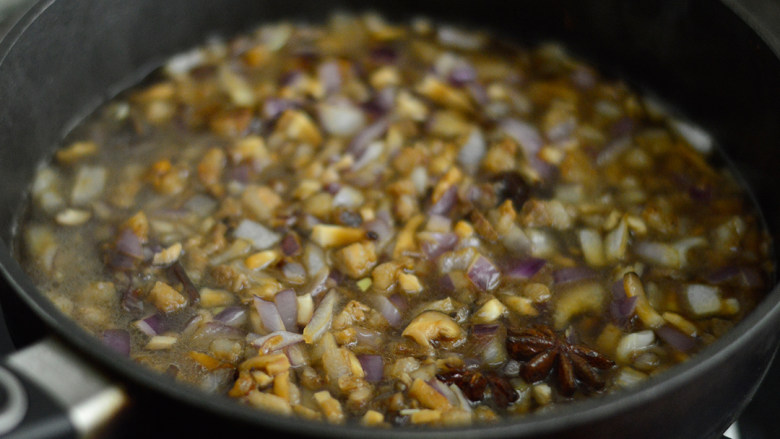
x=393 y=225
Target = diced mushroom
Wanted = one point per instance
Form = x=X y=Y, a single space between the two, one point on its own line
x=430 y=326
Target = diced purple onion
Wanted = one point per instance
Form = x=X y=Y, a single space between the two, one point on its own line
x=269 y=314
x=618 y=290
x=295 y=354
x=677 y=339
x=373 y=367
x=444 y=390
x=117 y=339
x=291 y=246
x=748 y=277
x=445 y=202
x=484 y=330
x=573 y=274
x=319 y=283
x=370 y=133
x=440 y=243
x=120 y=261
x=287 y=303
x=234 y=316
x=192 y=324
x=151 y=325
x=524 y=268
x=623 y=309
x=399 y=301
x=484 y=274
x=388 y=310
x=330 y=76
x=129 y=244
x=525 y=134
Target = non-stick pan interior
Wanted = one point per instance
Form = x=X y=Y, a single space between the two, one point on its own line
x=69 y=56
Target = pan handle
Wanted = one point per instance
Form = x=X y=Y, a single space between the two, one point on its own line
x=48 y=391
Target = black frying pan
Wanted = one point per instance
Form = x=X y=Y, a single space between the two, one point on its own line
x=66 y=57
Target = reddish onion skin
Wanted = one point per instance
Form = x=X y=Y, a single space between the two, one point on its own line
x=525 y=268
x=677 y=339
x=373 y=367
x=442 y=242
x=232 y=316
x=117 y=339
x=291 y=245
x=445 y=204
x=269 y=314
x=388 y=310
x=483 y=274
x=129 y=244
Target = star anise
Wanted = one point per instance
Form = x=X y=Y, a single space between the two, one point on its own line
x=474 y=383
x=543 y=350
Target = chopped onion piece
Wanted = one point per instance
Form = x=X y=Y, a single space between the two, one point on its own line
x=130 y=244
x=322 y=318
x=473 y=149
x=269 y=314
x=117 y=339
x=484 y=274
x=287 y=303
x=261 y=237
x=525 y=268
x=631 y=345
x=373 y=367
x=151 y=325
x=274 y=341
x=388 y=310
x=703 y=299
x=232 y=316
x=677 y=339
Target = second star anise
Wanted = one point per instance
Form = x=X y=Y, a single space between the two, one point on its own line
x=543 y=351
